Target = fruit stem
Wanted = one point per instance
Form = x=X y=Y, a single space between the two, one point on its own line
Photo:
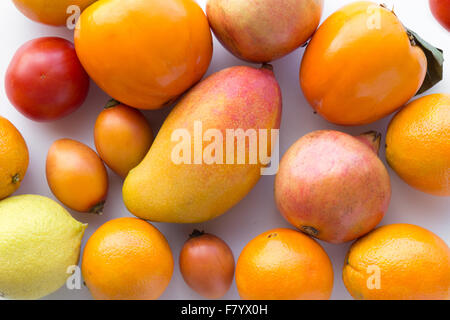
x=310 y=230
x=434 y=56
x=15 y=178
x=111 y=103
x=384 y=5
x=435 y=60
x=267 y=66
x=372 y=139
x=98 y=208
x=196 y=233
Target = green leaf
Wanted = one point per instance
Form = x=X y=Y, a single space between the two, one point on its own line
x=435 y=61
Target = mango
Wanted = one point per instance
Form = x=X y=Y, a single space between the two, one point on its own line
x=200 y=164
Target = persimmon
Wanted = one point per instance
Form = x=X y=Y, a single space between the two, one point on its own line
x=144 y=53
x=362 y=64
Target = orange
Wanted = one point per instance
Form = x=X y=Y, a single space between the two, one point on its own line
x=14 y=158
x=396 y=262
x=284 y=264
x=418 y=144
x=144 y=53
x=360 y=65
x=127 y=259
x=53 y=12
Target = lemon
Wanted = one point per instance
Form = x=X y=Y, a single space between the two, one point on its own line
x=39 y=241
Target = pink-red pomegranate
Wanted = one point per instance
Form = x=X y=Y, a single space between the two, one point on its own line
x=333 y=186
x=262 y=31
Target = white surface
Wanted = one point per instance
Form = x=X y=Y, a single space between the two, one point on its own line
x=257 y=212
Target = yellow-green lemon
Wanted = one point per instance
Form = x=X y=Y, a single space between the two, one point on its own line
x=39 y=241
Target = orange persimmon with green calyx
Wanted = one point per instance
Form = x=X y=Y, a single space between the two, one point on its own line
x=362 y=64
x=144 y=53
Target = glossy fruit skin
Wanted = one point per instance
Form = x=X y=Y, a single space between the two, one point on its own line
x=237 y=97
x=418 y=144
x=45 y=80
x=127 y=259
x=332 y=186
x=284 y=264
x=207 y=265
x=14 y=158
x=77 y=176
x=414 y=264
x=171 y=46
x=122 y=137
x=263 y=31
x=441 y=11
x=54 y=14
x=354 y=73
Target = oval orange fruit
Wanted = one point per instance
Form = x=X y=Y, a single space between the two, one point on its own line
x=77 y=176
x=122 y=137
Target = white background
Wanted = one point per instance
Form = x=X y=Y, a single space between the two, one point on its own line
x=257 y=212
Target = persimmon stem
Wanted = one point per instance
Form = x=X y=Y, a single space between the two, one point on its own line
x=15 y=178
x=435 y=60
x=267 y=66
x=98 y=208
x=111 y=103
x=196 y=233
